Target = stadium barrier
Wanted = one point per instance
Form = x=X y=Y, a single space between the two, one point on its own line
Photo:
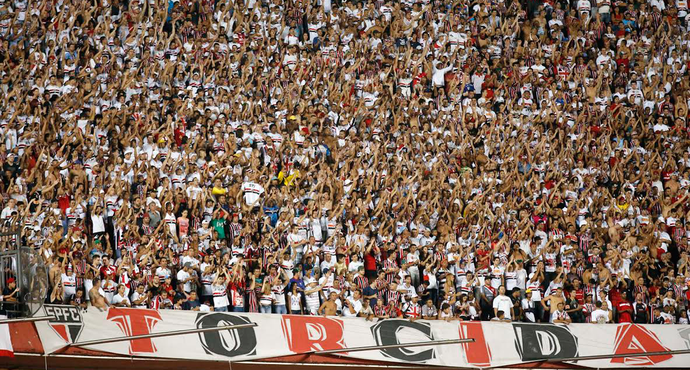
x=248 y=336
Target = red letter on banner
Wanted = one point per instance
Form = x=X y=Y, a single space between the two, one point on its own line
x=136 y=321
x=477 y=353
x=630 y=339
x=312 y=333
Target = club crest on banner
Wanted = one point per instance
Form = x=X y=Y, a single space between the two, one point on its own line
x=66 y=321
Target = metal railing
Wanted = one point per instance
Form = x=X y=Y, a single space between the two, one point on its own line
x=24 y=265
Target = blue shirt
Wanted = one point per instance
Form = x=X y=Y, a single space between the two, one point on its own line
x=369 y=291
x=299 y=282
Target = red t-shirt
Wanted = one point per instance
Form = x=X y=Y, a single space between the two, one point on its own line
x=624 y=316
x=482 y=253
x=63 y=203
x=615 y=297
x=369 y=262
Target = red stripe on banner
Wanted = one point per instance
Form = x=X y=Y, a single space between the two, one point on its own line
x=6 y=353
x=478 y=352
x=62 y=331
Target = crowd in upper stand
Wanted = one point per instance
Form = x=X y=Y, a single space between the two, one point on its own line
x=469 y=159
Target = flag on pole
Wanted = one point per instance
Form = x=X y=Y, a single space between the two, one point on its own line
x=5 y=340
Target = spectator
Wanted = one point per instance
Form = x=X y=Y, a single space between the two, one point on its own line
x=78 y=299
x=528 y=307
x=192 y=302
x=120 y=298
x=601 y=315
x=560 y=316
x=445 y=312
x=572 y=307
x=553 y=300
x=412 y=309
x=500 y=317
x=367 y=312
x=9 y=294
x=625 y=311
x=353 y=304
x=486 y=299
x=295 y=300
x=219 y=289
x=502 y=303
x=516 y=309
x=640 y=310
x=329 y=307
x=429 y=311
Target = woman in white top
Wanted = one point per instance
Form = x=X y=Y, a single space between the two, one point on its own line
x=266 y=299
x=170 y=219
x=295 y=301
x=412 y=259
x=511 y=276
x=120 y=299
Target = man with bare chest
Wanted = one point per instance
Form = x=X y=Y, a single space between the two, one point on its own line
x=97 y=298
x=329 y=308
x=554 y=299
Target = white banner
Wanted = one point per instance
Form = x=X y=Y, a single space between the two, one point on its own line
x=496 y=344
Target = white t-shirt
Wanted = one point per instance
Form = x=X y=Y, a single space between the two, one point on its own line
x=98 y=224
x=357 y=305
x=117 y=298
x=584 y=5
x=600 y=316
x=354 y=266
x=135 y=297
x=252 y=192
x=438 y=76
x=163 y=273
x=503 y=303
x=525 y=306
x=7 y=212
x=294 y=301
x=182 y=275
x=312 y=300
x=220 y=296
x=69 y=285
x=278 y=295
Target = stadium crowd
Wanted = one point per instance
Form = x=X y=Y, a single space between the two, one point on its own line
x=439 y=159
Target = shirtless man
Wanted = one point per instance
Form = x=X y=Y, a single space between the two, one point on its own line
x=329 y=307
x=554 y=299
x=97 y=299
